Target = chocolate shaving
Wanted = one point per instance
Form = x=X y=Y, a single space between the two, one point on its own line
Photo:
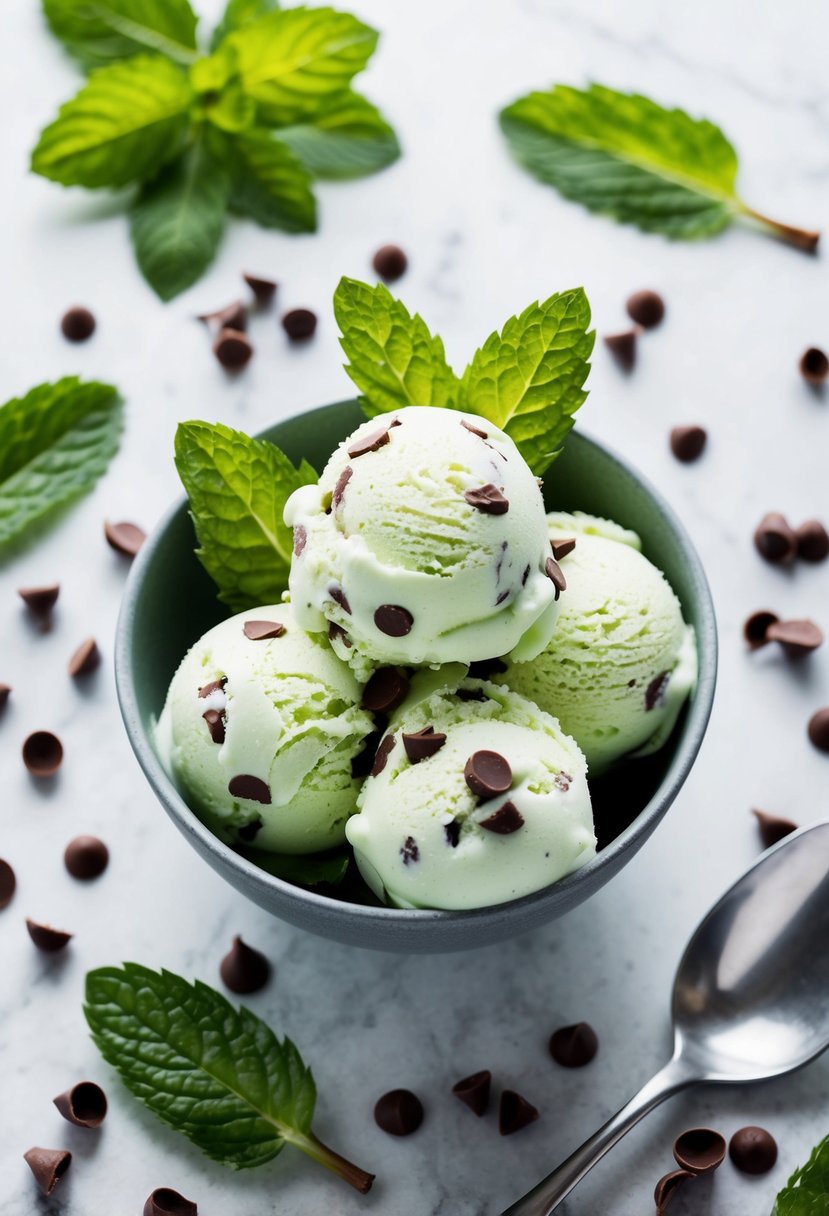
x=261 y=631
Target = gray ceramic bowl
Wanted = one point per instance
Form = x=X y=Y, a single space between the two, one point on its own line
x=169 y=601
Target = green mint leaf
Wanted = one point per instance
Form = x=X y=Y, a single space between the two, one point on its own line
x=270 y=184
x=807 y=1191
x=392 y=357
x=238 y=14
x=238 y=488
x=54 y=445
x=292 y=62
x=528 y=378
x=177 y=221
x=100 y=31
x=306 y=870
x=127 y=121
x=350 y=138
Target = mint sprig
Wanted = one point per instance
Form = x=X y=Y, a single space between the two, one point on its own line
x=158 y=114
x=807 y=1191
x=217 y=1074
x=626 y=156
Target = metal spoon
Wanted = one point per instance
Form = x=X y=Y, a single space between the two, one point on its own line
x=750 y=1000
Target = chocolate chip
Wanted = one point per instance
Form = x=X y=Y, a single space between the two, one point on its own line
x=646 y=308
x=699 y=1150
x=385 y=690
x=381 y=756
x=487 y=499
x=261 y=631
x=485 y=669
x=775 y=540
x=667 y=1186
x=688 y=442
x=393 y=620
x=166 y=1202
x=124 y=538
x=8 y=883
x=452 y=832
x=40 y=600
x=819 y=729
x=773 y=827
x=574 y=1046
x=207 y=690
x=77 y=324
x=474 y=1091
x=233 y=316
x=86 y=857
x=487 y=774
x=499 y=599
x=300 y=539
x=336 y=633
x=390 y=262
x=234 y=350
x=48 y=1166
x=796 y=637
x=85 y=1104
x=253 y=788
x=299 y=324
x=339 y=597
x=525 y=576
x=814 y=365
x=263 y=290
x=471 y=694
x=474 y=429
x=43 y=753
x=399 y=1112
x=655 y=692
x=421 y=744
x=215 y=724
x=5 y=693
x=243 y=969
x=339 y=489
x=46 y=938
x=561 y=547
x=410 y=852
x=514 y=1113
x=85 y=659
x=249 y=831
x=503 y=822
x=563 y=781
x=756 y=627
x=753 y=1150
x=361 y=764
x=555 y=574
x=812 y=541
x=622 y=347
x=371 y=442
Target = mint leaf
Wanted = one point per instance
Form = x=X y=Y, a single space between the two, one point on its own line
x=270 y=184
x=99 y=31
x=292 y=62
x=392 y=357
x=238 y=14
x=807 y=1191
x=626 y=156
x=218 y=1075
x=528 y=378
x=177 y=221
x=350 y=138
x=307 y=870
x=122 y=126
x=238 y=488
x=54 y=445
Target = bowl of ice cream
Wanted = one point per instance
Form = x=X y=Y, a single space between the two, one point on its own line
x=408 y=742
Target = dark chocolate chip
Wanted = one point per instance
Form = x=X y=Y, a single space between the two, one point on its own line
x=214 y=686
x=86 y=857
x=233 y=316
x=514 y=1113
x=563 y=781
x=124 y=538
x=574 y=1046
x=399 y=1112
x=503 y=822
x=410 y=852
x=487 y=774
x=382 y=754
x=393 y=620
x=77 y=324
x=48 y=1166
x=688 y=442
x=753 y=1150
x=372 y=442
x=43 y=753
x=8 y=883
x=487 y=499
x=390 y=262
x=339 y=489
x=385 y=690
x=85 y=659
x=775 y=540
x=773 y=827
x=471 y=694
x=421 y=744
x=361 y=764
x=485 y=669
x=261 y=631
x=561 y=547
x=667 y=1186
x=300 y=539
x=796 y=637
x=756 y=627
x=299 y=324
x=85 y=1104
x=46 y=938
x=40 y=600
x=5 y=693
x=243 y=969
x=247 y=786
x=234 y=350
x=249 y=831
x=499 y=599
x=336 y=633
x=474 y=429
x=622 y=347
x=646 y=308
x=166 y=1202
x=812 y=541
x=215 y=724
x=474 y=1091
x=263 y=290
x=452 y=832
x=819 y=729
x=655 y=692
x=525 y=576
x=556 y=576
x=814 y=365
x=339 y=597
x=699 y=1150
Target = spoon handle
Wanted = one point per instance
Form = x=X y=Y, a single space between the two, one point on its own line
x=548 y=1194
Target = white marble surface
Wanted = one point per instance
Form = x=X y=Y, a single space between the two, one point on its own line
x=484 y=240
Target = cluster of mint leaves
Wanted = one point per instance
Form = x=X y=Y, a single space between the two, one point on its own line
x=807 y=1191
x=244 y=128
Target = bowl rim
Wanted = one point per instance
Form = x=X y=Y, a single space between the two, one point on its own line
x=633 y=836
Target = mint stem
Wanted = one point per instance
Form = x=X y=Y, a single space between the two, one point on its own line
x=801 y=238
x=326 y=1156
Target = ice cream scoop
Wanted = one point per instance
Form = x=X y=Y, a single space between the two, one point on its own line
x=260 y=727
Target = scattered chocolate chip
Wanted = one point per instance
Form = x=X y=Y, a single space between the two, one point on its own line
x=562 y=546
x=812 y=541
x=233 y=316
x=410 y=852
x=474 y=1091
x=234 y=350
x=503 y=822
x=5 y=693
x=48 y=1166
x=399 y=1112
x=485 y=669
x=166 y=1202
x=249 y=831
x=262 y=631
x=421 y=744
x=574 y=1046
x=390 y=262
x=393 y=620
x=370 y=443
x=622 y=347
x=514 y=1113
x=563 y=781
x=247 y=786
x=814 y=365
x=40 y=600
x=385 y=690
x=452 y=832
x=474 y=429
x=86 y=857
x=299 y=324
x=775 y=540
x=300 y=539
x=525 y=576
x=263 y=290
x=8 y=883
x=77 y=324
x=243 y=969
x=499 y=599
x=207 y=690
x=699 y=1150
x=756 y=627
x=43 y=753
x=382 y=754
x=85 y=659
x=215 y=724
x=753 y=1150
x=556 y=575
x=336 y=633
x=487 y=499
x=46 y=938
x=124 y=538
x=688 y=442
x=796 y=637
x=819 y=729
x=666 y=1188
x=339 y=597
x=646 y=308
x=85 y=1104
x=655 y=692
x=773 y=827
x=487 y=774
x=339 y=489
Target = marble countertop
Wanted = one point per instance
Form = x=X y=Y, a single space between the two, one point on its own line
x=484 y=240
